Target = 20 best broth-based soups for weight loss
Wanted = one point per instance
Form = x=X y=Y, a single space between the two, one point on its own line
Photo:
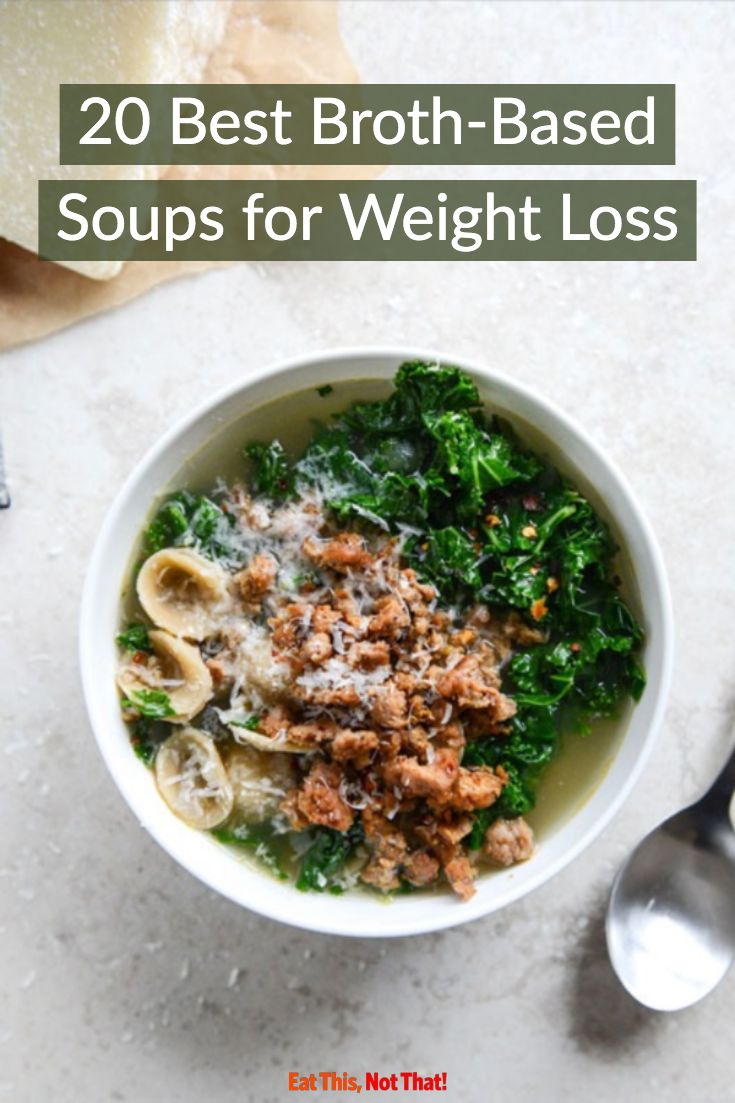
x=356 y=659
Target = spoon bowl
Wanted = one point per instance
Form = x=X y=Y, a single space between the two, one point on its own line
x=671 y=918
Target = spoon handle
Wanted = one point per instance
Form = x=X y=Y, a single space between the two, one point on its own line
x=721 y=791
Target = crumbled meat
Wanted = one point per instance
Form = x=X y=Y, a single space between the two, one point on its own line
x=390 y=619
x=341 y=696
x=461 y=876
x=385 y=690
x=348 y=608
x=414 y=593
x=275 y=721
x=325 y=619
x=319 y=799
x=389 y=848
x=467 y=684
x=317 y=648
x=420 y=868
x=346 y=552
x=415 y=742
x=463 y=638
x=348 y=744
x=444 y=837
x=368 y=654
x=406 y=681
x=508 y=841
x=454 y=828
x=312 y=733
x=390 y=745
x=451 y=735
x=389 y=708
x=419 y=780
x=290 y=624
x=257 y=578
x=423 y=713
x=472 y=789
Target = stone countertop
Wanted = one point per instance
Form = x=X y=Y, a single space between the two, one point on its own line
x=125 y=979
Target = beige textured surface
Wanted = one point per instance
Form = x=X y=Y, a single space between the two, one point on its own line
x=265 y=40
x=124 y=981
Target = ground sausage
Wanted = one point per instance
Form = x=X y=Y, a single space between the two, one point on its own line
x=257 y=578
x=421 y=868
x=389 y=708
x=319 y=799
x=389 y=850
x=317 y=648
x=417 y=779
x=275 y=721
x=312 y=733
x=325 y=618
x=368 y=654
x=473 y=789
x=508 y=841
x=348 y=744
x=461 y=876
x=346 y=552
x=390 y=619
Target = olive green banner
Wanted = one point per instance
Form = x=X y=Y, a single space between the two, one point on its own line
x=371 y=124
x=600 y=220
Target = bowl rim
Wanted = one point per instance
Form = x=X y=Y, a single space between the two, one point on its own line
x=475 y=908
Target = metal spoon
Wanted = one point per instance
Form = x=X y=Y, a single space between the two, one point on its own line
x=671 y=917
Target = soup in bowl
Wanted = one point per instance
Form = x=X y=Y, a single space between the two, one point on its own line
x=375 y=643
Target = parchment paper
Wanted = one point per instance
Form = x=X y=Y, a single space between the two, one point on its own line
x=266 y=41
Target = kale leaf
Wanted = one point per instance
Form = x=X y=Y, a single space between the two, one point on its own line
x=135 y=638
x=147 y=736
x=152 y=703
x=448 y=557
x=480 y=461
x=326 y=856
x=192 y=520
x=270 y=473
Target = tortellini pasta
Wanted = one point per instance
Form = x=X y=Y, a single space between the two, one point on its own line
x=192 y=779
x=182 y=592
x=177 y=668
x=259 y=782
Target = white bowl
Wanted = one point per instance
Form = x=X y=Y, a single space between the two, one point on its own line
x=356 y=913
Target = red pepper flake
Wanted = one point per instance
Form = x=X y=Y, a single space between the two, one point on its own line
x=140 y=657
x=531 y=502
x=539 y=609
x=575 y=647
